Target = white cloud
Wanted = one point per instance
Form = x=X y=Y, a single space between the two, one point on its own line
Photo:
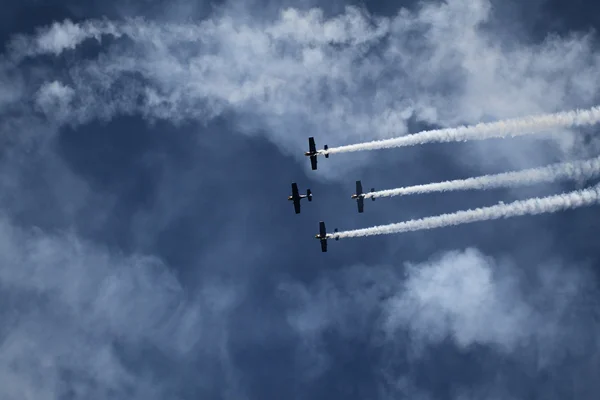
x=344 y=79
x=60 y=37
x=459 y=296
x=12 y=89
x=68 y=303
x=531 y=315
x=54 y=99
x=474 y=299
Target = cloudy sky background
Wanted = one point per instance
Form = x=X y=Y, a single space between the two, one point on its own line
x=147 y=247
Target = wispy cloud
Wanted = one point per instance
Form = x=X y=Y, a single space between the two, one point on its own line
x=347 y=78
x=460 y=296
x=75 y=313
x=464 y=299
x=54 y=98
x=80 y=319
x=474 y=299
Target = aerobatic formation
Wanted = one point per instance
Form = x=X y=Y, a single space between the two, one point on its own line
x=579 y=171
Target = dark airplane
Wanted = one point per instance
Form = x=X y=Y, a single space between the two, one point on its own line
x=322 y=236
x=312 y=152
x=360 y=196
x=296 y=197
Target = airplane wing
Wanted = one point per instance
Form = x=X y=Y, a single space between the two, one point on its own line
x=312 y=150
x=297 y=205
x=322 y=231
x=323 y=236
x=324 y=246
x=311 y=145
x=360 y=201
x=295 y=193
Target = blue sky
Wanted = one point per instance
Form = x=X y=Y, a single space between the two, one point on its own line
x=147 y=247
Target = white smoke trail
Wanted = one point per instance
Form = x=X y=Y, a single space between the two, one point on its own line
x=499 y=129
x=538 y=205
x=577 y=170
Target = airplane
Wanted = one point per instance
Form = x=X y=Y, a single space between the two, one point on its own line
x=312 y=152
x=296 y=197
x=360 y=196
x=322 y=236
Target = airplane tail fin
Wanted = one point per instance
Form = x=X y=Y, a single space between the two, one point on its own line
x=308 y=194
x=326 y=148
x=372 y=190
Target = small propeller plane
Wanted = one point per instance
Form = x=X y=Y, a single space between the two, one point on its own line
x=296 y=197
x=322 y=236
x=312 y=152
x=360 y=196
